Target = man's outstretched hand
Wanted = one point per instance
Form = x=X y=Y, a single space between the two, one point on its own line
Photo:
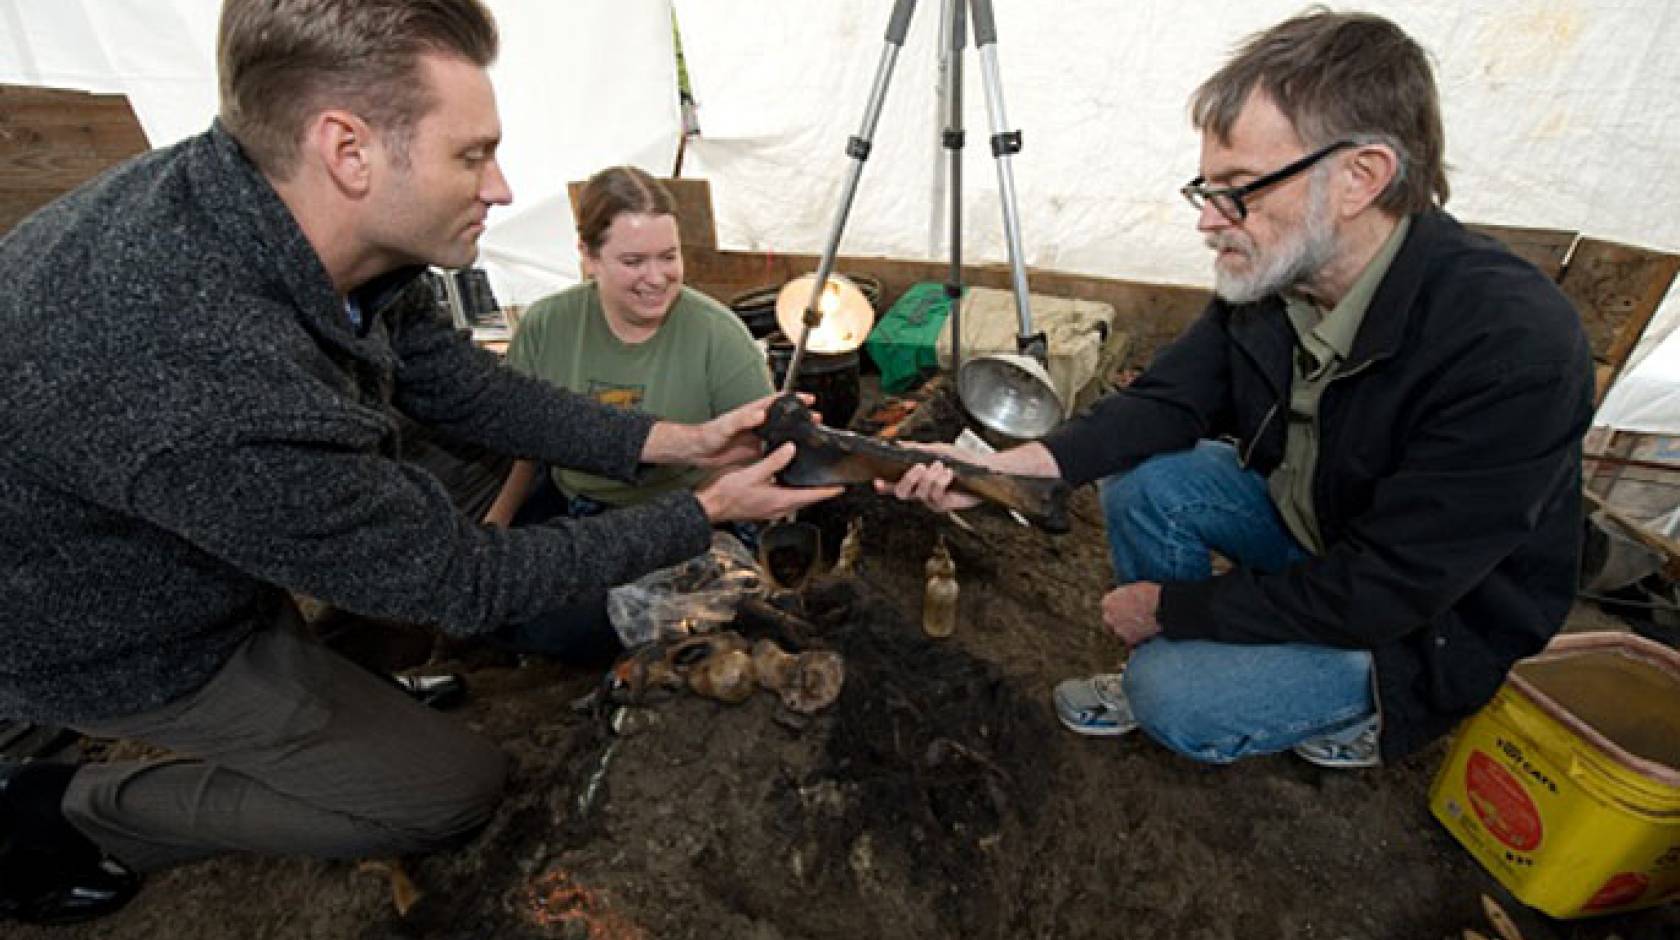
x=727 y=440
x=930 y=483
x=752 y=493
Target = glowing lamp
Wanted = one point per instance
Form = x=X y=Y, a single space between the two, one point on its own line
x=846 y=314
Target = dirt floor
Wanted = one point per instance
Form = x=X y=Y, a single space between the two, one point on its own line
x=937 y=798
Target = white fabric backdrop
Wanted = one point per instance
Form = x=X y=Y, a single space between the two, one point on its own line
x=581 y=85
x=1560 y=114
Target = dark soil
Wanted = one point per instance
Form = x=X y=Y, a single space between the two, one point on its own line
x=938 y=797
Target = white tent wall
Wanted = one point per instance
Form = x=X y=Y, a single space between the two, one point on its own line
x=1559 y=115
x=160 y=53
x=580 y=85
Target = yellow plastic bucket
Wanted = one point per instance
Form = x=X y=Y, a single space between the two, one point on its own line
x=1566 y=786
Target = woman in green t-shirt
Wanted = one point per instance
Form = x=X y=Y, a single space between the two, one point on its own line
x=630 y=335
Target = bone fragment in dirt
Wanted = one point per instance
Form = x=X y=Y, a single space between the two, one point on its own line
x=851 y=549
x=807 y=682
x=726 y=676
x=404 y=892
x=1501 y=921
x=939 y=599
x=721 y=666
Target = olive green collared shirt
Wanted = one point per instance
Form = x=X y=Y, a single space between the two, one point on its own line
x=1323 y=343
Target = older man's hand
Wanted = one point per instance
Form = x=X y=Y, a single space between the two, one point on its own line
x=1129 y=611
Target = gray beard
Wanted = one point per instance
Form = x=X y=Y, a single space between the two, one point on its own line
x=1291 y=264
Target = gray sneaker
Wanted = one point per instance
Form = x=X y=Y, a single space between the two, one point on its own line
x=1336 y=754
x=1095 y=706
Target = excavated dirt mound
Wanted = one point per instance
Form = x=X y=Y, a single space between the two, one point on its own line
x=938 y=797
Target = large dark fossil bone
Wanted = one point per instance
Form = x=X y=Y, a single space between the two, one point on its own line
x=828 y=456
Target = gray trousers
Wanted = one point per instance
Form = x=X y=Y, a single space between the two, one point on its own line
x=288 y=750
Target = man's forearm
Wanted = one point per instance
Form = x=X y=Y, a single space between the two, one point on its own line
x=670 y=443
x=1031 y=460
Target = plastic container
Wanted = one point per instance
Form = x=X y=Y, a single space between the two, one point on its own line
x=1565 y=786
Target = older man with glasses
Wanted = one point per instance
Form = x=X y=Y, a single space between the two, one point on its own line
x=1377 y=420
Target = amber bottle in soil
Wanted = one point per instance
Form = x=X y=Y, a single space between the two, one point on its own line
x=939 y=602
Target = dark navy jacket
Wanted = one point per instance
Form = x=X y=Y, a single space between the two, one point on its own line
x=1448 y=481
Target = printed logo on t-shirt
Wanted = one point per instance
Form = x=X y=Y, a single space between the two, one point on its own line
x=622 y=396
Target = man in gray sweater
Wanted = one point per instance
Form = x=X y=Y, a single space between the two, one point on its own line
x=204 y=353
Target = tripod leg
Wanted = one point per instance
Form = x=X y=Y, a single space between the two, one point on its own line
x=858 y=149
x=1006 y=143
x=956 y=37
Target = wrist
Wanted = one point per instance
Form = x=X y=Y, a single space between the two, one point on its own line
x=710 y=505
x=669 y=442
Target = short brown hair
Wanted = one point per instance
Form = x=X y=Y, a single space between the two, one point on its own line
x=281 y=61
x=614 y=190
x=1341 y=76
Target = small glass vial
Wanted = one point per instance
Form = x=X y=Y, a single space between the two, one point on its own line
x=939 y=603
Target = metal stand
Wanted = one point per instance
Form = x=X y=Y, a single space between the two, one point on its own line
x=1005 y=144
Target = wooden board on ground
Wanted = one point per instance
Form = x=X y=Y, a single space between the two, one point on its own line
x=1151 y=314
x=52 y=141
x=695 y=224
x=1616 y=288
x=1545 y=248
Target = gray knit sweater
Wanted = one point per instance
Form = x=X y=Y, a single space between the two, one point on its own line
x=189 y=427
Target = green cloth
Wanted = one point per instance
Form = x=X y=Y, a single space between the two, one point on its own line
x=1323 y=343
x=701 y=363
x=904 y=344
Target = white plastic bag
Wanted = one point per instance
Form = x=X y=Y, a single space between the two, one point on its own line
x=693 y=597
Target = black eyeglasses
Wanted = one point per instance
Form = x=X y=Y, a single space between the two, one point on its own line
x=1229 y=199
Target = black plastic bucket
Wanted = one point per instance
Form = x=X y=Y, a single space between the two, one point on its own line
x=832 y=378
x=757 y=309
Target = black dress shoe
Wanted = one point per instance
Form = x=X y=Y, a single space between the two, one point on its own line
x=49 y=872
x=441 y=690
x=42 y=888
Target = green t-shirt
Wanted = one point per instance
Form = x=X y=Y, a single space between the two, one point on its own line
x=701 y=363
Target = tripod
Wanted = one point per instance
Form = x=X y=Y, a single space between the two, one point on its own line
x=1023 y=385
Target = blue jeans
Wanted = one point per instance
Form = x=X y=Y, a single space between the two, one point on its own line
x=1217 y=702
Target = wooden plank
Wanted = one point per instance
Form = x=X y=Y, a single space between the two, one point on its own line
x=1661 y=544
x=1151 y=314
x=695 y=224
x=51 y=141
x=1638 y=473
x=1601 y=476
x=16 y=205
x=1616 y=288
x=1545 y=248
x=694 y=212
